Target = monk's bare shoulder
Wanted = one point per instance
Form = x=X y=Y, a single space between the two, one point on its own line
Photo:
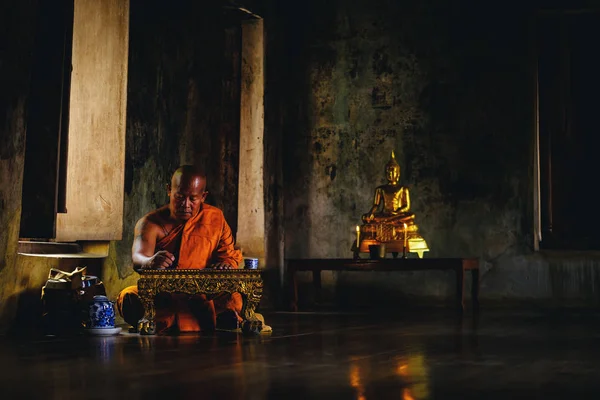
x=152 y=222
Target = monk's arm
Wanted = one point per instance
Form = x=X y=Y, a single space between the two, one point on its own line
x=225 y=253
x=144 y=243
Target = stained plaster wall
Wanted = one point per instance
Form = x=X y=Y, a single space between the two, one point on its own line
x=449 y=88
x=16 y=44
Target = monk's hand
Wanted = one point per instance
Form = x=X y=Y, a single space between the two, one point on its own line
x=161 y=260
x=221 y=265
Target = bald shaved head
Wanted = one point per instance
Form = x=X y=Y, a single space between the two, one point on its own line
x=187 y=172
x=187 y=192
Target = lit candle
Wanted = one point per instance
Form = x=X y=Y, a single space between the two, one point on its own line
x=405 y=236
x=357 y=237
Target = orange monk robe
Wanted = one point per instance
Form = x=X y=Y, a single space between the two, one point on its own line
x=203 y=240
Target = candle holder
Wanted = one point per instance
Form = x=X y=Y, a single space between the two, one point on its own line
x=356 y=250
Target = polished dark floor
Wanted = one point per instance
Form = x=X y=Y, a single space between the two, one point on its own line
x=419 y=355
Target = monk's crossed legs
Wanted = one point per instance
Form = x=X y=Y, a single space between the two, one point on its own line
x=177 y=310
x=199 y=312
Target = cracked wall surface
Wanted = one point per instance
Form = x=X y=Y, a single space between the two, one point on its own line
x=15 y=69
x=449 y=89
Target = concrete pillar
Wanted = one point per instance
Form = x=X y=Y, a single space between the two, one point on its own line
x=96 y=145
x=251 y=200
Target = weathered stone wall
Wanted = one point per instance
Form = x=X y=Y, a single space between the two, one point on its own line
x=449 y=88
x=17 y=22
x=454 y=105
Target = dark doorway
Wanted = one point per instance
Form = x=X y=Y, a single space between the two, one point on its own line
x=569 y=89
x=47 y=121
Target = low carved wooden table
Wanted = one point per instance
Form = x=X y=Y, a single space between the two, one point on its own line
x=192 y=281
x=459 y=265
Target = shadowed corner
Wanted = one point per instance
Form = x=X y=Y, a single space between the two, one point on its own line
x=28 y=319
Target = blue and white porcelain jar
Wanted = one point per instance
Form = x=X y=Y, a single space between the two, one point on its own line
x=102 y=313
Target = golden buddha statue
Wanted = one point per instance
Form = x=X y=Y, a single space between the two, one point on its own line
x=389 y=220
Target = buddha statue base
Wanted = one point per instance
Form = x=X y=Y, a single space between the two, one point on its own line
x=393 y=237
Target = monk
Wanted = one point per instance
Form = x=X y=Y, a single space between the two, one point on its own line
x=184 y=234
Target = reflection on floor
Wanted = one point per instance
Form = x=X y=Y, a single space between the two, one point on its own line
x=323 y=356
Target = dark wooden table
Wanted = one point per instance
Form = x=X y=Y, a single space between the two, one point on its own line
x=459 y=265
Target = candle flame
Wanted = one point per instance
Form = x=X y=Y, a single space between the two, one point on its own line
x=403 y=370
x=405 y=226
x=406 y=395
x=357 y=228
